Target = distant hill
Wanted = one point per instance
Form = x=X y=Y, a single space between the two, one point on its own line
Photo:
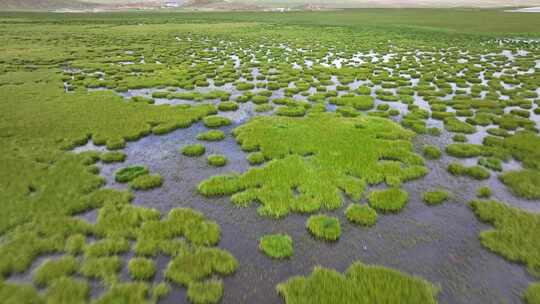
x=249 y=4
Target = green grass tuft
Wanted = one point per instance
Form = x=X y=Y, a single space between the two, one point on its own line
x=324 y=227
x=141 y=268
x=208 y=292
x=432 y=152
x=532 y=294
x=128 y=174
x=476 y=172
x=193 y=150
x=125 y=293
x=112 y=157
x=435 y=197
x=51 y=270
x=146 y=182
x=483 y=192
x=68 y=290
x=514 y=235
x=390 y=200
x=228 y=106
x=216 y=121
x=523 y=183
x=361 y=214
x=212 y=135
x=217 y=160
x=360 y=284
x=256 y=158
x=277 y=246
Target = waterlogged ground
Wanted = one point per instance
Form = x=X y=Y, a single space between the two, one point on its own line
x=438 y=243
x=473 y=97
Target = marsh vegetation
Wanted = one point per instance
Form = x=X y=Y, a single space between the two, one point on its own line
x=157 y=158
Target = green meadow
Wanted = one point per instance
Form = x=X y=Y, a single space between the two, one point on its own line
x=348 y=156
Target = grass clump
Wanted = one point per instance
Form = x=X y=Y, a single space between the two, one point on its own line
x=390 y=200
x=112 y=157
x=228 y=106
x=277 y=246
x=215 y=121
x=292 y=111
x=483 y=192
x=464 y=150
x=361 y=284
x=476 y=172
x=193 y=150
x=514 y=235
x=523 y=183
x=146 y=182
x=432 y=152
x=200 y=264
x=141 y=268
x=68 y=290
x=128 y=174
x=361 y=214
x=532 y=294
x=212 y=135
x=125 y=293
x=255 y=158
x=75 y=244
x=310 y=160
x=453 y=124
x=459 y=138
x=217 y=160
x=51 y=270
x=208 y=292
x=159 y=291
x=435 y=197
x=102 y=268
x=492 y=163
x=324 y=227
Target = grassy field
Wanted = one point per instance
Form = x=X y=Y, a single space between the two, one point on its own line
x=334 y=116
